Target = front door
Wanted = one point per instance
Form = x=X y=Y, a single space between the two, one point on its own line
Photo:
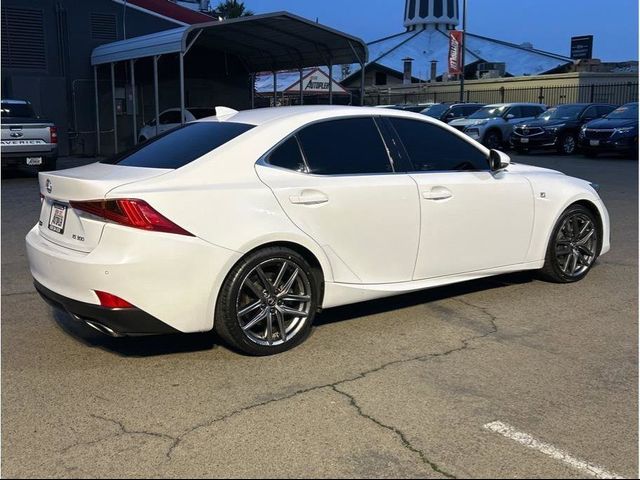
x=471 y=219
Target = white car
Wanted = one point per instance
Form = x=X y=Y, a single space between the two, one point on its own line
x=170 y=119
x=251 y=222
x=493 y=125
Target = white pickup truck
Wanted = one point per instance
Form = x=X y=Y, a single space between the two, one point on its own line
x=27 y=139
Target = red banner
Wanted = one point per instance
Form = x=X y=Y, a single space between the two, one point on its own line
x=455 y=52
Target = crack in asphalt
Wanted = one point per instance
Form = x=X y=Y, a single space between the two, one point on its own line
x=399 y=433
x=176 y=440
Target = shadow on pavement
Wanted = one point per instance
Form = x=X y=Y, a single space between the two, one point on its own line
x=183 y=343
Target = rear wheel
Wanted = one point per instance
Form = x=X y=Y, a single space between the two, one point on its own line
x=267 y=302
x=574 y=246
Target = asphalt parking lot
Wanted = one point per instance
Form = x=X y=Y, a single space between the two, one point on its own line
x=410 y=386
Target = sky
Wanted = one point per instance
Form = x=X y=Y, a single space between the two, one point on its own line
x=547 y=24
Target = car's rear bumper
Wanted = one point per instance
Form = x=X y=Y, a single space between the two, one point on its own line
x=173 y=279
x=116 y=322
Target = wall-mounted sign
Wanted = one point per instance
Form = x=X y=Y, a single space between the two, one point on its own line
x=582 y=47
x=455 y=52
x=316 y=82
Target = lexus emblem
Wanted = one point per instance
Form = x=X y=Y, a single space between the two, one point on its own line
x=16 y=134
x=49 y=186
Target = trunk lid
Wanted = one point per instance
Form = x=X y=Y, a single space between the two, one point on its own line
x=81 y=231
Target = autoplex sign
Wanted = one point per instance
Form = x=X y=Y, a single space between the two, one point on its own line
x=316 y=82
x=455 y=52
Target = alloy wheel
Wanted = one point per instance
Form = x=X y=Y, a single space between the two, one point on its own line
x=576 y=244
x=569 y=144
x=273 y=302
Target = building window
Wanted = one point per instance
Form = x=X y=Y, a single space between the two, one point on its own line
x=412 y=9
x=450 y=10
x=437 y=8
x=103 y=27
x=381 y=78
x=424 y=8
x=23 y=44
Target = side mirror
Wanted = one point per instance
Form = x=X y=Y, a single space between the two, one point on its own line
x=498 y=160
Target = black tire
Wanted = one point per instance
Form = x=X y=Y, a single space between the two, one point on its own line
x=552 y=269
x=493 y=139
x=567 y=144
x=234 y=290
x=48 y=164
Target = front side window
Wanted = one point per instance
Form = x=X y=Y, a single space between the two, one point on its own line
x=591 y=112
x=288 y=156
x=181 y=145
x=344 y=146
x=433 y=148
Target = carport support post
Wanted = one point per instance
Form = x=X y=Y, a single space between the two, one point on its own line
x=330 y=82
x=95 y=82
x=182 y=88
x=301 y=88
x=155 y=90
x=113 y=103
x=275 y=89
x=133 y=97
x=362 y=84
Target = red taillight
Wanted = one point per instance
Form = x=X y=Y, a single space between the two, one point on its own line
x=130 y=212
x=111 y=301
x=53 y=131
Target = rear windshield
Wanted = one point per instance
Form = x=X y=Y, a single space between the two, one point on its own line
x=181 y=145
x=23 y=110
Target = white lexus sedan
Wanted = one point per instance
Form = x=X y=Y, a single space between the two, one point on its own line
x=251 y=222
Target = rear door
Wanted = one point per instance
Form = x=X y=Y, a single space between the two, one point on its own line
x=336 y=182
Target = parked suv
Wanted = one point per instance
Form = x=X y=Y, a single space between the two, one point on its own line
x=492 y=125
x=447 y=112
x=558 y=127
x=171 y=119
x=616 y=132
x=27 y=139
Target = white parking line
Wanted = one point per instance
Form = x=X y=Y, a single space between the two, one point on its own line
x=530 y=442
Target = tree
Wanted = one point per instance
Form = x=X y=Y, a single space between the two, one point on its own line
x=232 y=9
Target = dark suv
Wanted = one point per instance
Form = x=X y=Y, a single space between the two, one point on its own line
x=447 y=112
x=557 y=128
x=617 y=132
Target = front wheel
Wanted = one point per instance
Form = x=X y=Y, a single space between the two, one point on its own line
x=267 y=302
x=493 y=140
x=567 y=144
x=573 y=247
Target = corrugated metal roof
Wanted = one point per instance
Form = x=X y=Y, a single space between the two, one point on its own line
x=274 y=41
x=431 y=44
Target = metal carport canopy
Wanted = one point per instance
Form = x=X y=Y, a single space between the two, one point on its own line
x=269 y=42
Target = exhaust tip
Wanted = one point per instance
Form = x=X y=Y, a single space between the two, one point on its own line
x=102 y=328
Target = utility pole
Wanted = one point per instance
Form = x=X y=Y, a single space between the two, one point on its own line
x=464 y=47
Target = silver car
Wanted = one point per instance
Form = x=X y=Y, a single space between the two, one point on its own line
x=493 y=125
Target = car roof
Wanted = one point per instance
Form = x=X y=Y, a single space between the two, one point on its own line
x=260 y=116
x=516 y=104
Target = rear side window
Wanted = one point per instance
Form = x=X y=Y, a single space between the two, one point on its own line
x=181 y=145
x=199 y=113
x=288 y=156
x=433 y=148
x=170 y=117
x=346 y=146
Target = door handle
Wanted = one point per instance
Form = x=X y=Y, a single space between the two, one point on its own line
x=437 y=193
x=309 y=198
